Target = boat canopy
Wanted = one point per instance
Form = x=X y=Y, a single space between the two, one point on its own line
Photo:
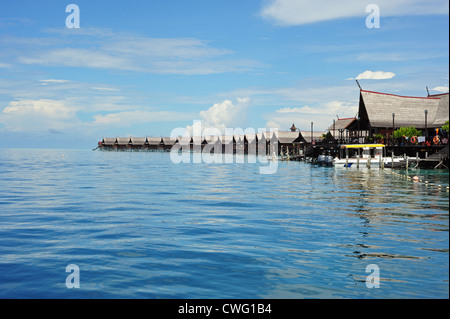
x=363 y=146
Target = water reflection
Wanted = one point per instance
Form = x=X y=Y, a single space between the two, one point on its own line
x=143 y=226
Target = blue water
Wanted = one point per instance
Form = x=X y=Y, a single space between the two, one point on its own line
x=139 y=226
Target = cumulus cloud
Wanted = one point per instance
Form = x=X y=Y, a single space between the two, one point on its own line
x=49 y=108
x=298 y=12
x=32 y=115
x=222 y=115
x=374 y=75
x=442 y=89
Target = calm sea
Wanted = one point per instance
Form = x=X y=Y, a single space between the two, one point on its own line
x=139 y=226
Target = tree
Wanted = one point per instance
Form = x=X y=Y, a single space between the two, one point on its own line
x=445 y=126
x=407 y=132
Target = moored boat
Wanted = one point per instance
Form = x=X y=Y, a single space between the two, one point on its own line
x=365 y=155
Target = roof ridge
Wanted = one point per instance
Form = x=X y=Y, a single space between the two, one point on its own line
x=410 y=97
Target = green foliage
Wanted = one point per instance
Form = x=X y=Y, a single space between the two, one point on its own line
x=407 y=131
x=328 y=136
x=445 y=126
x=378 y=136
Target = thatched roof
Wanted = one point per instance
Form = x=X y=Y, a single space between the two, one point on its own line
x=210 y=139
x=138 y=140
x=443 y=109
x=376 y=110
x=287 y=137
x=226 y=139
x=109 y=141
x=251 y=138
x=316 y=136
x=260 y=137
x=342 y=124
x=154 y=140
x=238 y=138
x=267 y=135
x=293 y=128
x=197 y=140
x=123 y=140
x=169 y=141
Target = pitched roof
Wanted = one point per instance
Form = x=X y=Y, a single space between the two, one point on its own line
x=342 y=124
x=226 y=139
x=210 y=139
x=138 y=140
x=376 y=110
x=443 y=110
x=238 y=138
x=251 y=138
x=316 y=135
x=287 y=137
x=154 y=140
x=123 y=140
x=109 y=141
x=169 y=140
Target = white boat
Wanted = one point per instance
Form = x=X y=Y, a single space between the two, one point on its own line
x=325 y=160
x=365 y=155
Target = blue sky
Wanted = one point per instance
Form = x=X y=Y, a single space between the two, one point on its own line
x=144 y=68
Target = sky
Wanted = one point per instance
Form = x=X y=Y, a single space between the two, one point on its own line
x=145 y=68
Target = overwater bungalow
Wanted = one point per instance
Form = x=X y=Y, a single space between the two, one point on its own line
x=138 y=143
x=168 y=143
x=123 y=143
x=154 y=143
x=382 y=113
x=108 y=142
x=347 y=130
x=312 y=138
x=288 y=142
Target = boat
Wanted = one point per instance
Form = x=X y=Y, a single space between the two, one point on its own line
x=365 y=155
x=325 y=160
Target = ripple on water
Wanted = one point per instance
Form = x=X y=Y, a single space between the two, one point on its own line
x=139 y=226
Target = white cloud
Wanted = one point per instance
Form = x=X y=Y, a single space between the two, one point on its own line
x=130 y=118
x=225 y=114
x=322 y=115
x=53 y=81
x=48 y=108
x=46 y=82
x=298 y=12
x=374 y=75
x=5 y=65
x=34 y=115
x=442 y=89
x=77 y=57
x=104 y=49
x=304 y=109
x=104 y=89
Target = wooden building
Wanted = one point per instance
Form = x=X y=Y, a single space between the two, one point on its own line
x=347 y=130
x=381 y=113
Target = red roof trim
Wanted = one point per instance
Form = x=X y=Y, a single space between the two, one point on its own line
x=432 y=95
x=348 y=118
x=409 y=97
